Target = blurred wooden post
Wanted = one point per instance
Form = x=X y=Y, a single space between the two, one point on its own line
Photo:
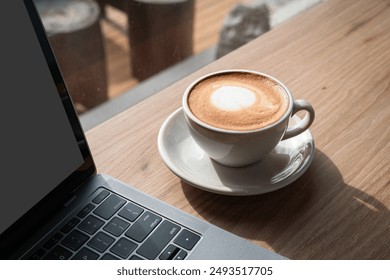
x=76 y=38
x=160 y=34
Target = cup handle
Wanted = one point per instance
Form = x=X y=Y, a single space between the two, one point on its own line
x=300 y=105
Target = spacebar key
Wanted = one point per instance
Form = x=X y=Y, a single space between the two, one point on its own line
x=158 y=240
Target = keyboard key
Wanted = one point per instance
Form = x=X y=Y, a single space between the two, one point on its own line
x=152 y=247
x=70 y=225
x=101 y=196
x=181 y=255
x=116 y=226
x=187 y=239
x=53 y=241
x=108 y=256
x=109 y=207
x=101 y=242
x=91 y=224
x=85 y=254
x=169 y=253
x=143 y=226
x=86 y=210
x=123 y=248
x=37 y=255
x=130 y=212
x=75 y=239
x=135 y=258
x=58 y=253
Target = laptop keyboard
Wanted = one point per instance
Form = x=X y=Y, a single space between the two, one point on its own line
x=111 y=227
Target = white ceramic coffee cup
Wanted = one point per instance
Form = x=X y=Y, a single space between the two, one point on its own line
x=240 y=148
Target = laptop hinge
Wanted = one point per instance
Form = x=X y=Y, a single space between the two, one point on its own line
x=70 y=200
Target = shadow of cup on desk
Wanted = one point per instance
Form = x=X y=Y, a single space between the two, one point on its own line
x=316 y=217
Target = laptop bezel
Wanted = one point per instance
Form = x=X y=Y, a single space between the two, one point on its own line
x=36 y=217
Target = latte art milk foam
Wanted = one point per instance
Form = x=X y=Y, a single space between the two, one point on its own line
x=238 y=101
x=232 y=98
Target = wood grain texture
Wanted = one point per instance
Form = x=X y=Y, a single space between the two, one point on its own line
x=336 y=55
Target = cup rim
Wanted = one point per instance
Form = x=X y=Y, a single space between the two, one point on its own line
x=189 y=114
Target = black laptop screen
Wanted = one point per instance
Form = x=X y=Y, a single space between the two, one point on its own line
x=39 y=149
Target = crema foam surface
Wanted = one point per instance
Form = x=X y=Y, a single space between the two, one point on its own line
x=238 y=101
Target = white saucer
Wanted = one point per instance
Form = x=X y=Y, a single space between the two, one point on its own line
x=286 y=163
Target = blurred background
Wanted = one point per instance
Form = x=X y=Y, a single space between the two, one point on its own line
x=115 y=53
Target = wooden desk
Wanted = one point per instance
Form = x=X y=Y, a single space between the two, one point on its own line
x=337 y=56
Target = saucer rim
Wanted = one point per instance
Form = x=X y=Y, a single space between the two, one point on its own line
x=215 y=189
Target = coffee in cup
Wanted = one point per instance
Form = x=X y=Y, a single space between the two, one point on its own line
x=238 y=116
x=238 y=101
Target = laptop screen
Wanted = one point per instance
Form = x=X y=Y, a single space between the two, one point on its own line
x=43 y=148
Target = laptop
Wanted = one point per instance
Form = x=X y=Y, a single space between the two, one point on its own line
x=53 y=204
